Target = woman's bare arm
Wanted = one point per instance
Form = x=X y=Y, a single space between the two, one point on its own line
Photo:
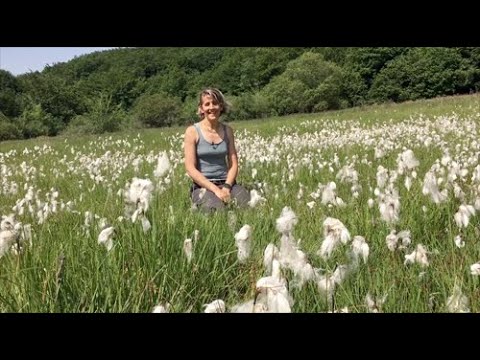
x=232 y=157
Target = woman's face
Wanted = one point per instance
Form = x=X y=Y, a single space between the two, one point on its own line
x=210 y=108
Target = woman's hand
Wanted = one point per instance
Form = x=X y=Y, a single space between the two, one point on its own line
x=223 y=194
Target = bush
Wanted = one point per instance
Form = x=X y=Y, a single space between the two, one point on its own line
x=250 y=106
x=8 y=130
x=309 y=83
x=103 y=116
x=188 y=113
x=158 y=110
x=422 y=73
x=9 y=94
x=353 y=89
x=34 y=121
x=286 y=96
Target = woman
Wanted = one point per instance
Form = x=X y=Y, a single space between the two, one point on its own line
x=210 y=156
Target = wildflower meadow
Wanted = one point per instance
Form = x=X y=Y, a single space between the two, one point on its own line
x=372 y=209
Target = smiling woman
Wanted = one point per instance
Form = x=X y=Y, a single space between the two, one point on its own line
x=211 y=157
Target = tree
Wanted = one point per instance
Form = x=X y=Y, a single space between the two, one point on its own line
x=9 y=94
x=309 y=83
x=369 y=61
x=158 y=110
x=55 y=95
x=422 y=73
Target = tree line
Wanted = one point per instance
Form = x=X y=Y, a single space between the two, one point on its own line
x=155 y=87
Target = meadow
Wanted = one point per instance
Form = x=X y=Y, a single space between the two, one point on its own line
x=371 y=209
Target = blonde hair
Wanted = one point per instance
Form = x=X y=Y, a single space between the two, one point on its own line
x=217 y=96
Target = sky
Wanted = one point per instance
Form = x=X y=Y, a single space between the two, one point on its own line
x=20 y=60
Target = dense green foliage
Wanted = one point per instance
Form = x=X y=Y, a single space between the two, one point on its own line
x=155 y=87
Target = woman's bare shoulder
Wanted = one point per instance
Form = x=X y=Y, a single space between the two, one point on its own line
x=190 y=130
x=191 y=134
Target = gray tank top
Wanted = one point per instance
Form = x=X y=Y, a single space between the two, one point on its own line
x=212 y=158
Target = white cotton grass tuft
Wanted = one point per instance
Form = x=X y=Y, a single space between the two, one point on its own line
x=7 y=239
x=300 y=192
x=382 y=177
x=136 y=214
x=360 y=248
x=105 y=237
x=326 y=283
x=458 y=192
x=328 y=193
x=374 y=304
x=406 y=161
x=370 y=203
x=243 y=308
x=446 y=159
x=335 y=233
x=250 y=307
x=13 y=234
x=291 y=257
x=102 y=223
x=243 y=243
x=459 y=241
x=408 y=182
x=216 y=306
x=271 y=252
x=389 y=207
x=255 y=198
x=347 y=174
x=189 y=244
x=392 y=240
x=146 y=226
x=462 y=216
x=188 y=249
x=475 y=269
x=8 y=222
x=343 y=310
x=329 y=196
x=476 y=204
x=457 y=302
x=139 y=193
x=137 y=196
x=340 y=274
x=25 y=232
x=161 y=309
x=273 y=293
x=286 y=221
x=163 y=165
x=419 y=255
x=430 y=187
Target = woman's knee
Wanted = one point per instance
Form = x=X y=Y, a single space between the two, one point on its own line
x=240 y=194
x=207 y=200
x=213 y=203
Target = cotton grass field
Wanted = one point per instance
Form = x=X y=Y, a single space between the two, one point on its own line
x=372 y=209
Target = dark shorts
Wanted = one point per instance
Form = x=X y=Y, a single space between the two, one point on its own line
x=208 y=201
x=195 y=186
